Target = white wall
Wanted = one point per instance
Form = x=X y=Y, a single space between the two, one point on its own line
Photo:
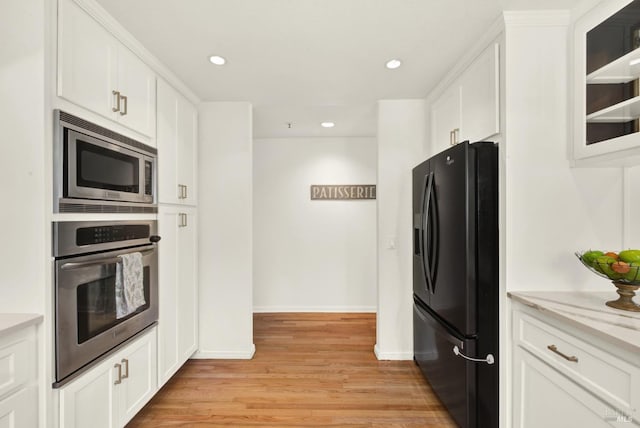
x=631 y=230
x=225 y=232
x=313 y=256
x=402 y=142
x=550 y=210
x=24 y=255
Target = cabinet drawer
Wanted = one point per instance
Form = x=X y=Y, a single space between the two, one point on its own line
x=600 y=372
x=17 y=363
x=20 y=410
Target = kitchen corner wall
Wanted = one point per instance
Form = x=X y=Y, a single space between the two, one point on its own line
x=225 y=230
x=549 y=209
x=313 y=256
x=402 y=142
x=25 y=254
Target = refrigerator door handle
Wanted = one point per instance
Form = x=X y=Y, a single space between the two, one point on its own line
x=426 y=218
x=433 y=236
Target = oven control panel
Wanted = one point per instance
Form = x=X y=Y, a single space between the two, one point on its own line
x=111 y=233
x=84 y=237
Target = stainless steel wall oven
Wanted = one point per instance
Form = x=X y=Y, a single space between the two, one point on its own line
x=87 y=257
x=98 y=170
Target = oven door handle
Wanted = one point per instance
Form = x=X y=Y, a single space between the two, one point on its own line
x=110 y=260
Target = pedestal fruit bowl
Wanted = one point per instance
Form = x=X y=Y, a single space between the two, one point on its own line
x=622 y=268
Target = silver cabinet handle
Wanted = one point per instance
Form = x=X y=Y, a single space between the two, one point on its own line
x=554 y=349
x=453 y=136
x=183 y=220
x=126 y=368
x=119 y=380
x=116 y=94
x=124 y=98
x=488 y=359
x=182 y=191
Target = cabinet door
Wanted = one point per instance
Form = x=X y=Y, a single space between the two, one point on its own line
x=177 y=133
x=137 y=86
x=167 y=140
x=187 y=161
x=86 y=60
x=479 y=87
x=139 y=380
x=543 y=397
x=20 y=410
x=89 y=400
x=187 y=286
x=168 y=285
x=445 y=119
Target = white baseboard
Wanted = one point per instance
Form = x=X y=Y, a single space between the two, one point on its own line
x=336 y=309
x=396 y=355
x=225 y=355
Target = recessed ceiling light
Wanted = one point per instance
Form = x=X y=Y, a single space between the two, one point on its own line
x=327 y=124
x=392 y=64
x=217 y=60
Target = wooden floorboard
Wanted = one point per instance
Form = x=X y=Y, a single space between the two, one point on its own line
x=309 y=369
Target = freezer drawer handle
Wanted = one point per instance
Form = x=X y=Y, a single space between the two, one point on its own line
x=489 y=359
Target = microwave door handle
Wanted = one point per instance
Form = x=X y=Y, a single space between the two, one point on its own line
x=110 y=260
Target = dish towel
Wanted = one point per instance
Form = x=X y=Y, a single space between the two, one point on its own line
x=129 y=284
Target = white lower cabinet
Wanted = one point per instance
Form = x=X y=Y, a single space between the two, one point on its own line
x=562 y=379
x=111 y=393
x=178 y=321
x=20 y=410
x=18 y=380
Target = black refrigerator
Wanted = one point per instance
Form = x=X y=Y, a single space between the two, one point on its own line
x=455 y=279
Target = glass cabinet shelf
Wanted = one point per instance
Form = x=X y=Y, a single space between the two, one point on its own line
x=618 y=113
x=622 y=70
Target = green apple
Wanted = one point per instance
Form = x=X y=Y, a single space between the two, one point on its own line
x=590 y=256
x=603 y=264
x=629 y=256
x=634 y=272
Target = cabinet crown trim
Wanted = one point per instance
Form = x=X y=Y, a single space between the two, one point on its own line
x=537 y=18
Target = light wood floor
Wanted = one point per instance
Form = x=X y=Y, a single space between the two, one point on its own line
x=308 y=370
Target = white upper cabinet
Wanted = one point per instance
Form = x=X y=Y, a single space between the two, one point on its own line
x=176 y=138
x=469 y=109
x=445 y=119
x=607 y=68
x=479 y=87
x=97 y=72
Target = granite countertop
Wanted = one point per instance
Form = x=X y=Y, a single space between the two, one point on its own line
x=10 y=323
x=587 y=311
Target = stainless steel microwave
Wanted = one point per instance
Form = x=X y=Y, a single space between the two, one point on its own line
x=98 y=170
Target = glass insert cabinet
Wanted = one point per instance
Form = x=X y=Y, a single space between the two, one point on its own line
x=607 y=90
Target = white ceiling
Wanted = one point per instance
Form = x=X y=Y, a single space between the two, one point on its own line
x=301 y=62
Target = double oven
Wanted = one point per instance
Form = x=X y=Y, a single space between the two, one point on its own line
x=99 y=171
